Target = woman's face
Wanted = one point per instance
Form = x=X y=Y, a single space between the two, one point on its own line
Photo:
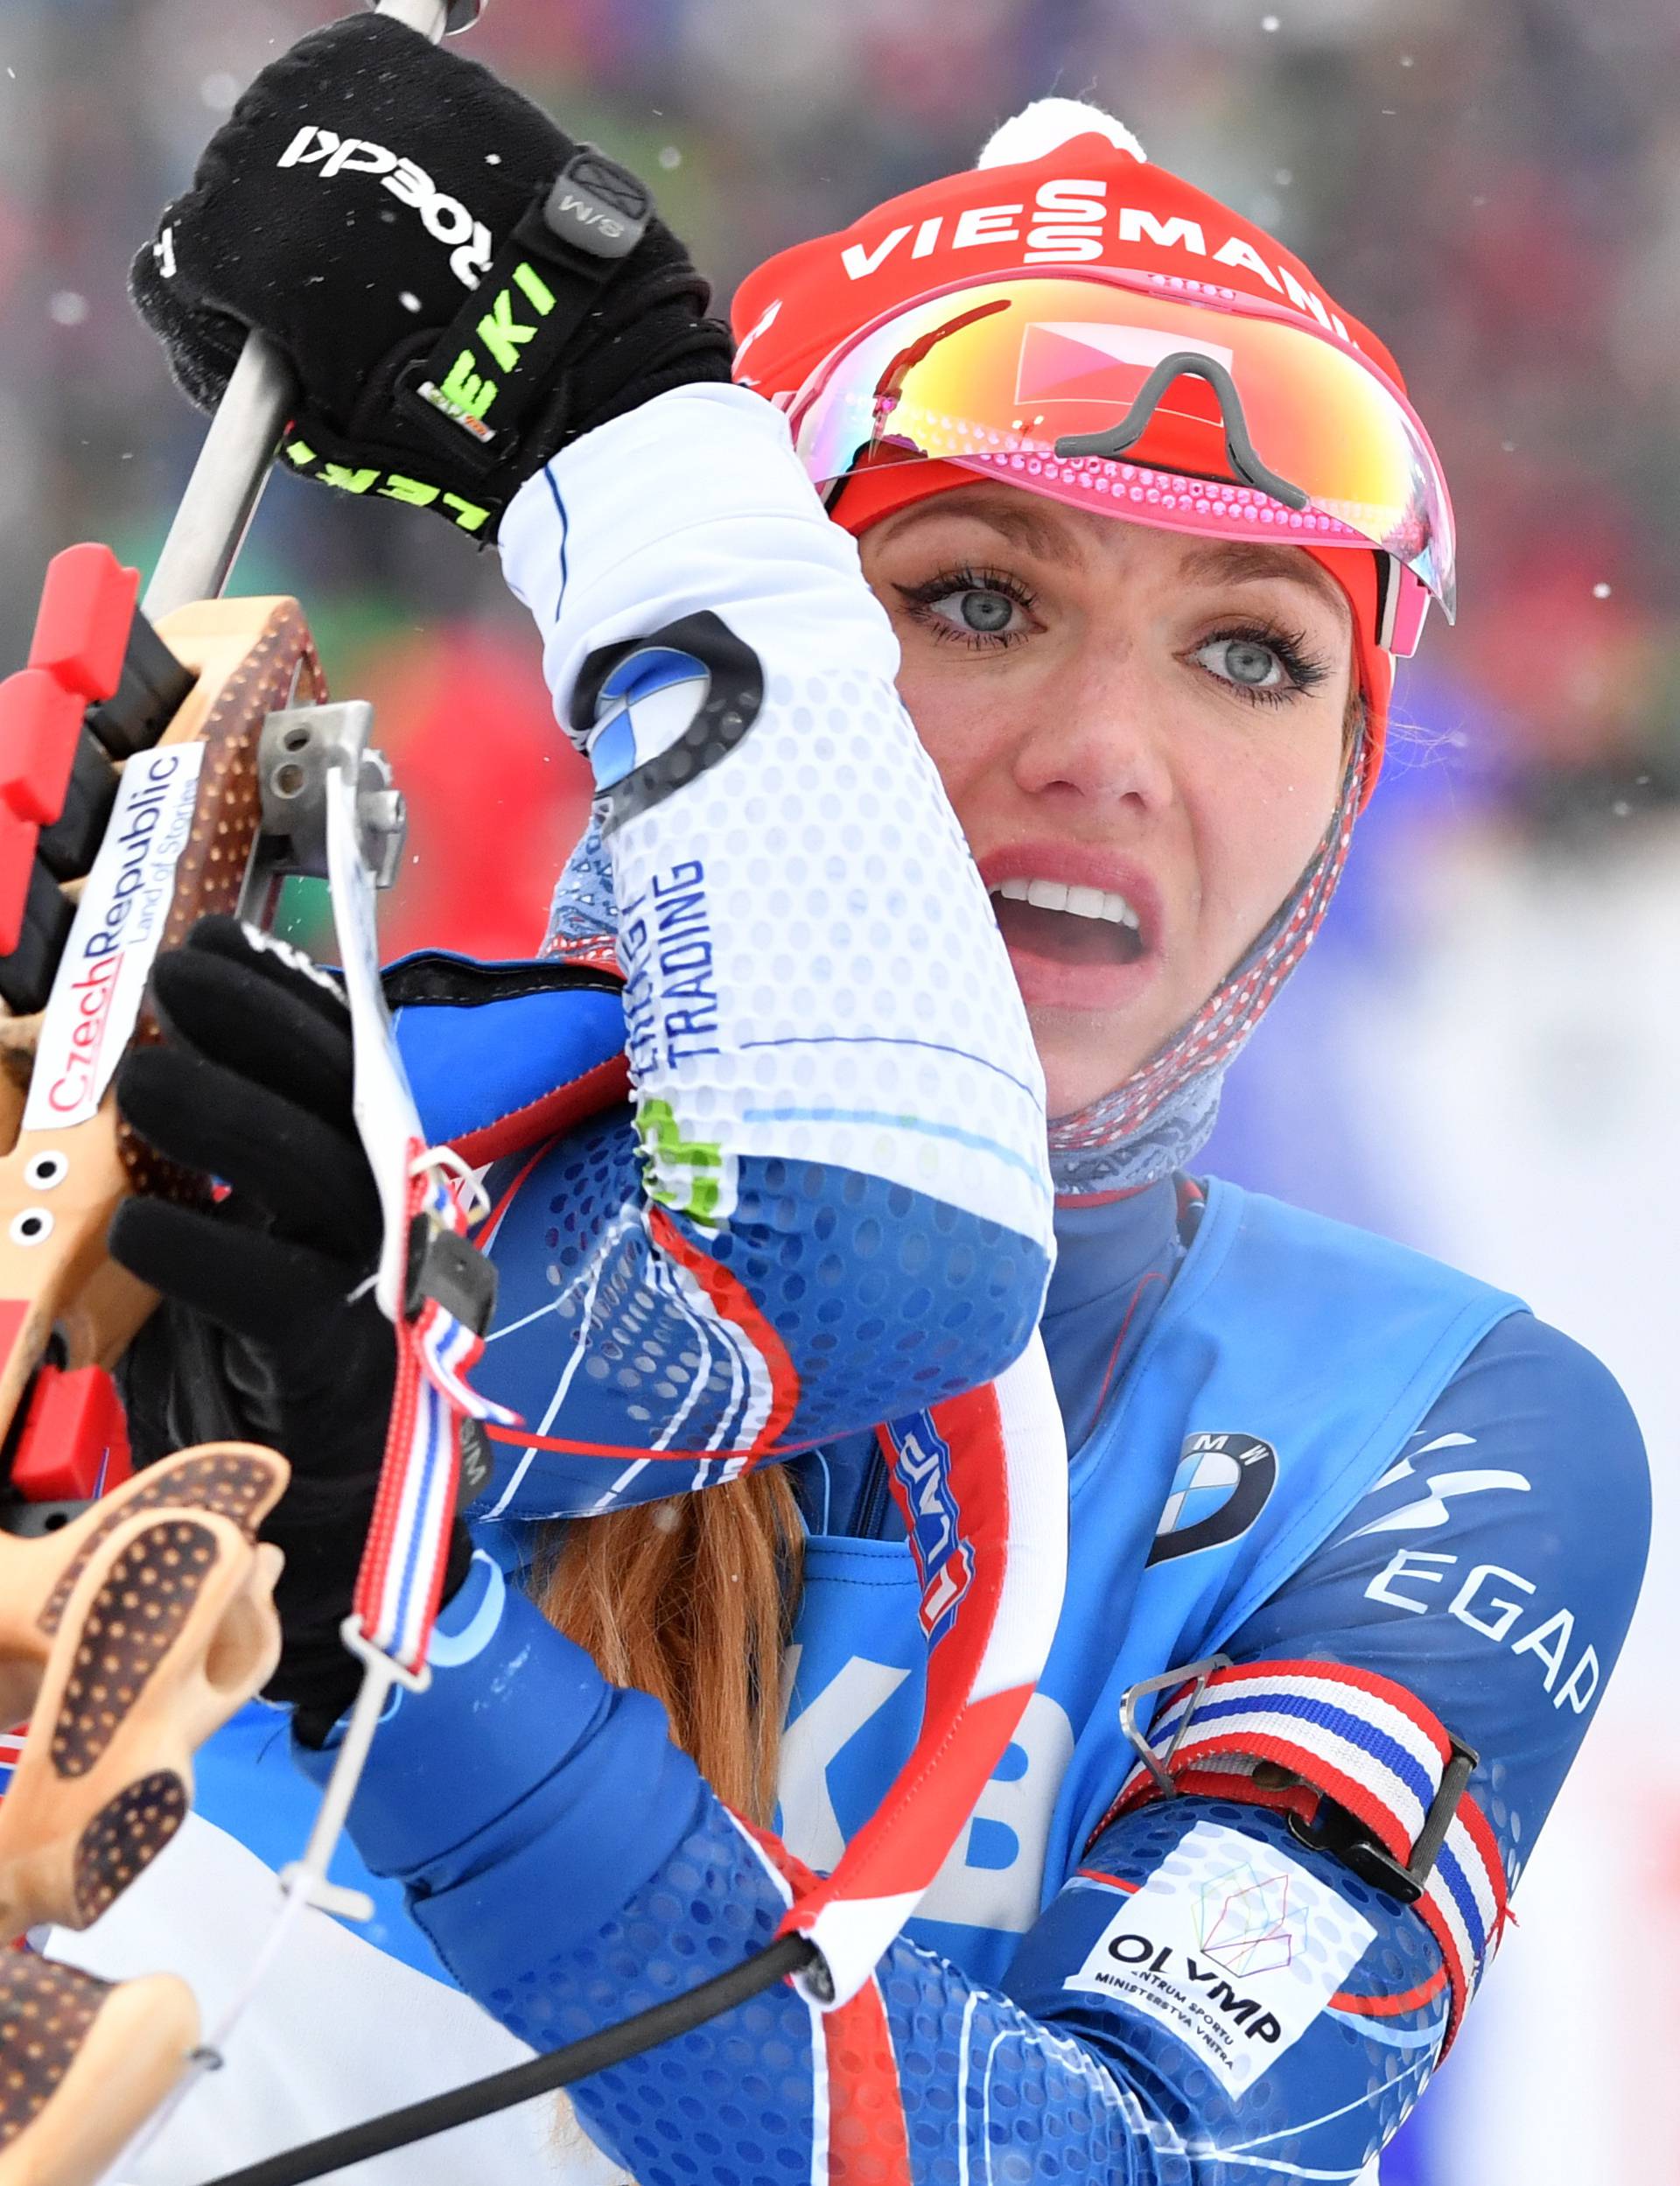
x=1141 y=734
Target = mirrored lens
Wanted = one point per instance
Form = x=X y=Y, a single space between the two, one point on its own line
x=993 y=377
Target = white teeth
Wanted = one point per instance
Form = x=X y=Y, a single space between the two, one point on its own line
x=1060 y=895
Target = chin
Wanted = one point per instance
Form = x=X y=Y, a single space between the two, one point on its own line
x=1084 y=1055
x=1072 y=1082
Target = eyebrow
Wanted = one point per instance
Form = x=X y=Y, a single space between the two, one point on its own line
x=1245 y=562
x=1022 y=526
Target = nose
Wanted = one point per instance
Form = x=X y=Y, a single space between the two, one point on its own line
x=1094 y=738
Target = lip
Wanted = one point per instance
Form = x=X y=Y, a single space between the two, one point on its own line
x=1083 y=866
x=1048 y=982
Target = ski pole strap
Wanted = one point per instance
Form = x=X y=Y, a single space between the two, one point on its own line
x=437 y=1293
x=448 y=1300
x=1361 y=1769
x=499 y=354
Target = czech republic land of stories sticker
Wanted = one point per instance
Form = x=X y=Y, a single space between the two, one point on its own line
x=1230 y=1946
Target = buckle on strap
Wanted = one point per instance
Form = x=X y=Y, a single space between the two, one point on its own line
x=444 y=1269
x=1159 y=1765
x=1335 y=1830
x=1344 y=1835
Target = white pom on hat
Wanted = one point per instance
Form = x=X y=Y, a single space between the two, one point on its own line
x=1048 y=124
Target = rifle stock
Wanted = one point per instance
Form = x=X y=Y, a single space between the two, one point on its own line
x=132 y=1626
x=61 y=1297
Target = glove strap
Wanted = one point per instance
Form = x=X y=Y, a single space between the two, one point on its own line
x=499 y=354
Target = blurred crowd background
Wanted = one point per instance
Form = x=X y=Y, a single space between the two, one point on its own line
x=1480 y=1055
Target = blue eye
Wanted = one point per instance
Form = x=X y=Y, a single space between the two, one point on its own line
x=1245 y=661
x=984 y=609
x=987 y=612
x=975 y=610
x=1266 y=666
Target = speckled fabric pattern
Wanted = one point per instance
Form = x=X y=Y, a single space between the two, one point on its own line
x=1046 y=2082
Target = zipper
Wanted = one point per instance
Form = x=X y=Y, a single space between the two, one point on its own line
x=871 y=1504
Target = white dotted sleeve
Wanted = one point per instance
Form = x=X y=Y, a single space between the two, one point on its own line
x=814 y=972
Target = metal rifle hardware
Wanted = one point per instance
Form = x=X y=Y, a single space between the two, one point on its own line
x=154 y=765
x=1160 y=1765
x=105 y=1776
x=296 y=751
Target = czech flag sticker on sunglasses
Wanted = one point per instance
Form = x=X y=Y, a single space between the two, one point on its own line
x=1169 y=402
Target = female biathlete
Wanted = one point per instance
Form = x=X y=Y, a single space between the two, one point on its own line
x=981 y=693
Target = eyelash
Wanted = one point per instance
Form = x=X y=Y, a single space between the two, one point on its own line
x=1305 y=669
x=919 y=598
x=1301 y=665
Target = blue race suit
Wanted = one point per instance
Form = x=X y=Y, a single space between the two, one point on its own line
x=825 y=1207
x=1489 y=1569
x=1290 y=1442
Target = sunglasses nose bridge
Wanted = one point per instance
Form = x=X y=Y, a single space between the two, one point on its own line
x=1245 y=461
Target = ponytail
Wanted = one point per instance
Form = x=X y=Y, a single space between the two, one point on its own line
x=692 y=1600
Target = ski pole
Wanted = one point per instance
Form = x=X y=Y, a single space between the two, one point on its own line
x=240 y=448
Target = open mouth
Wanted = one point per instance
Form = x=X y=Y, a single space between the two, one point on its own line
x=1064 y=922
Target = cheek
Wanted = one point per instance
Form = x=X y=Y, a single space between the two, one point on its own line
x=1260 y=820
x=958 y=722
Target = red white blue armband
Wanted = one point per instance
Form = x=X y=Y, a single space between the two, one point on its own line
x=1371 y=1777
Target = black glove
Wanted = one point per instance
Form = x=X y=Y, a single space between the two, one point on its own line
x=397 y=220
x=258 y=1338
